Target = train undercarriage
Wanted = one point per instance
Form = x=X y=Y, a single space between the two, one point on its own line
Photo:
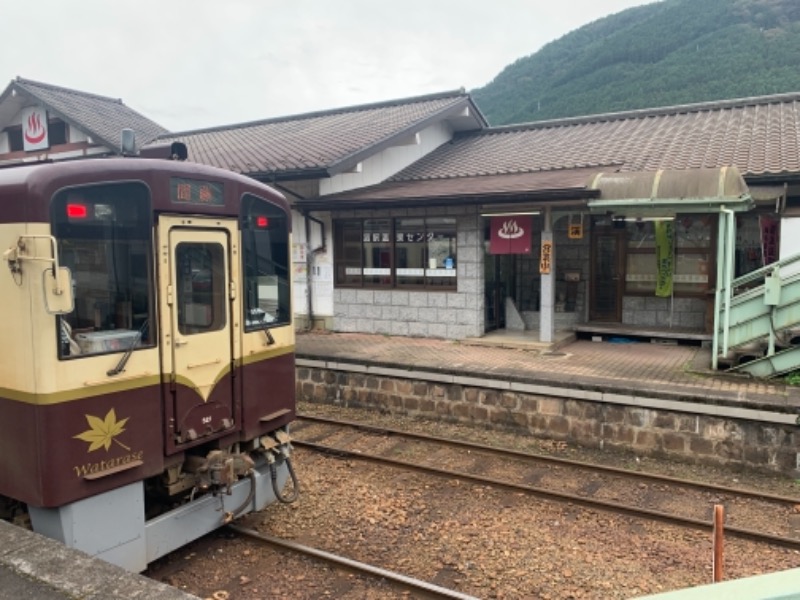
x=135 y=524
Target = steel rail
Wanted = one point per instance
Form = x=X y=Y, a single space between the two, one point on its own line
x=688 y=522
x=416 y=585
x=653 y=477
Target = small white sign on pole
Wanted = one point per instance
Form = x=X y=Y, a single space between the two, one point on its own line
x=34 y=129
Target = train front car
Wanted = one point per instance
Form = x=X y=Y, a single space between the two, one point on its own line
x=147 y=370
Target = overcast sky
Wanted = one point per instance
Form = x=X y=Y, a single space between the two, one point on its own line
x=188 y=64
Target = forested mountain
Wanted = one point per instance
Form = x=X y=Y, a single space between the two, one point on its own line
x=661 y=54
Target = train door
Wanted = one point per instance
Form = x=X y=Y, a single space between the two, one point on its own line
x=198 y=309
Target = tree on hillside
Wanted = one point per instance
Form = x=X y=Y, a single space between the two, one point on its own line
x=666 y=53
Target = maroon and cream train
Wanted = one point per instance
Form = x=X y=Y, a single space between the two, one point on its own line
x=147 y=357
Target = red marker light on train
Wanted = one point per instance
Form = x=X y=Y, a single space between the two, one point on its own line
x=262 y=222
x=77 y=211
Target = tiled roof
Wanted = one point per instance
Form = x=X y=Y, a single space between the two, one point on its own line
x=101 y=117
x=320 y=143
x=760 y=136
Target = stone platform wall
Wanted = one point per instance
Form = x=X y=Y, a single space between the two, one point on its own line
x=697 y=438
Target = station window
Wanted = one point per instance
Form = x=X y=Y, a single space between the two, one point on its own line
x=692 y=246
x=408 y=253
x=104 y=237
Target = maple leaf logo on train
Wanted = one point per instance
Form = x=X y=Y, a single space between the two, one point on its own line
x=102 y=432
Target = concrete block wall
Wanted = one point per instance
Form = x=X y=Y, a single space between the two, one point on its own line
x=650 y=311
x=692 y=438
x=426 y=313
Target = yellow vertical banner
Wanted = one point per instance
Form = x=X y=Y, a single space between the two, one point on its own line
x=546 y=257
x=665 y=257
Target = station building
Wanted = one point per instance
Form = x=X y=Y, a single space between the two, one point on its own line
x=415 y=217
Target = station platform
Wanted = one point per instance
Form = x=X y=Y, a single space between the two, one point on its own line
x=33 y=567
x=618 y=365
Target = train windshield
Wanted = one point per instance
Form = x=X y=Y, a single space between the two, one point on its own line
x=265 y=251
x=103 y=234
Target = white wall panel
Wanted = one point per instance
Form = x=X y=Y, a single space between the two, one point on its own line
x=389 y=162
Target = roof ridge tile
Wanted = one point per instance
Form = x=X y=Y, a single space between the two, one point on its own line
x=455 y=94
x=57 y=88
x=673 y=110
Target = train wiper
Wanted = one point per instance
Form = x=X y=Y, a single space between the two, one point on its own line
x=124 y=359
x=261 y=318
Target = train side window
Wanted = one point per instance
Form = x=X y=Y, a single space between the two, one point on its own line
x=104 y=236
x=265 y=264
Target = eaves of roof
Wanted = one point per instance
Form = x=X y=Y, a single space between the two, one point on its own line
x=294 y=175
x=541 y=186
x=767 y=178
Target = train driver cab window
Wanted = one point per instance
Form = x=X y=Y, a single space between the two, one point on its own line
x=104 y=237
x=265 y=258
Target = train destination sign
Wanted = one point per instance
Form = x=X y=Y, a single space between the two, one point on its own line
x=195 y=191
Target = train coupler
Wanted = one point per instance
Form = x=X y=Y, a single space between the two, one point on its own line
x=219 y=470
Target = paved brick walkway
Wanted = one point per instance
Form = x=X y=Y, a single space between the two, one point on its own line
x=653 y=370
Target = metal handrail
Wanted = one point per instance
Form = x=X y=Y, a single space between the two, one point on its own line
x=727 y=295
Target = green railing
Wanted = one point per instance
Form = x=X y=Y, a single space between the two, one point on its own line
x=759 y=307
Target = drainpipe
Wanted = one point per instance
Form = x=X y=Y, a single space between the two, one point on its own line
x=310 y=254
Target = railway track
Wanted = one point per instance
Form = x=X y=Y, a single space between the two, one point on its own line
x=403 y=583
x=751 y=515
x=420 y=588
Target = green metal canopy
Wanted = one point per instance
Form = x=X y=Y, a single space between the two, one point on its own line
x=665 y=193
